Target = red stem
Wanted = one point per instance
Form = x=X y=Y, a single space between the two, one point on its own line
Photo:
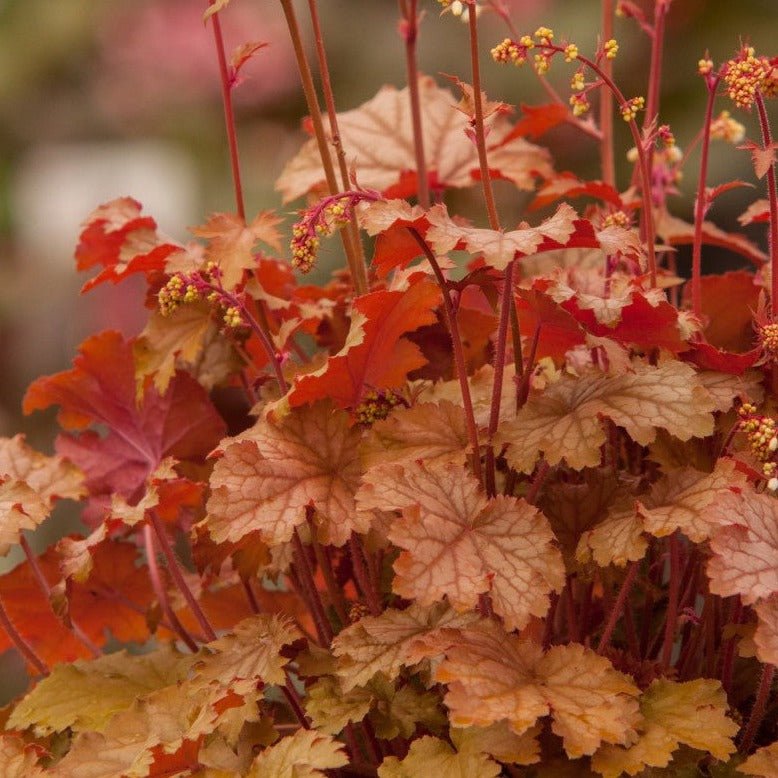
x=410 y=33
x=728 y=660
x=700 y=203
x=24 y=648
x=758 y=711
x=772 y=197
x=229 y=116
x=671 y=617
x=618 y=607
x=308 y=586
x=362 y=576
x=607 y=161
x=46 y=589
x=295 y=703
x=456 y=347
x=174 y=569
x=499 y=370
x=480 y=137
x=159 y=589
x=360 y=283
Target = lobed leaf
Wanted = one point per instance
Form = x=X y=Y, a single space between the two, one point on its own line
x=562 y=422
x=459 y=544
x=271 y=473
x=493 y=676
x=692 y=713
x=432 y=756
x=306 y=754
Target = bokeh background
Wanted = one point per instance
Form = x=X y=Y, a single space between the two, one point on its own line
x=105 y=98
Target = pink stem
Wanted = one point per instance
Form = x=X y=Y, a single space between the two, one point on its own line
x=362 y=576
x=607 y=161
x=618 y=607
x=229 y=116
x=671 y=617
x=700 y=203
x=772 y=197
x=480 y=137
x=308 y=586
x=46 y=589
x=174 y=569
x=159 y=589
x=24 y=648
x=456 y=347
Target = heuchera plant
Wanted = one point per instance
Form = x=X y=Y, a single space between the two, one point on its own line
x=513 y=516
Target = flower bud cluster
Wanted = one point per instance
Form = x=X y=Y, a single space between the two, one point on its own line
x=746 y=74
x=183 y=288
x=375 y=406
x=616 y=219
x=768 y=339
x=320 y=221
x=763 y=441
x=630 y=109
x=516 y=51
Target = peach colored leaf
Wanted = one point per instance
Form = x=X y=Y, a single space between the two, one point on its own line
x=20 y=508
x=75 y=554
x=563 y=422
x=758 y=211
x=272 y=472
x=430 y=756
x=745 y=550
x=85 y=695
x=762 y=763
x=766 y=635
x=398 y=712
x=459 y=544
x=724 y=388
x=376 y=355
x=240 y=56
x=434 y=432
x=499 y=741
x=762 y=158
x=616 y=540
x=51 y=477
x=500 y=248
x=169 y=341
x=385 y=643
x=231 y=242
x=306 y=754
x=680 y=499
x=378 y=139
x=249 y=654
x=493 y=676
x=19 y=759
x=674 y=714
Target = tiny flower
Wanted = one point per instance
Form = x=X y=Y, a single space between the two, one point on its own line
x=509 y=51
x=611 y=48
x=616 y=219
x=232 y=317
x=544 y=35
x=705 y=67
x=542 y=63
x=577 y=82
x=772 y=484
x=632 y=155
x=571 y=52
x=630 y=109
x=665 y=135
x=579 y=104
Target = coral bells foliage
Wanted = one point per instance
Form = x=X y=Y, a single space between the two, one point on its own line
x=497 y=499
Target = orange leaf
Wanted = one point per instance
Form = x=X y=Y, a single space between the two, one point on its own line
x=375 y=356
x=493 y=676
x=231 y=242
x=272 y=472
x=459 y=544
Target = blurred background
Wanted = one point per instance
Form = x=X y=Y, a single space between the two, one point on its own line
x=105 y=98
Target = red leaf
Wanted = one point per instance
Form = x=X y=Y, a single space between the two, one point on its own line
x=568 y=185
x=100 y=389
x=712 y=193
x=709 y=357
x=375 y=356
x=559 y=330
x=538 y=120
x=118 y=238
x=728 y=301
